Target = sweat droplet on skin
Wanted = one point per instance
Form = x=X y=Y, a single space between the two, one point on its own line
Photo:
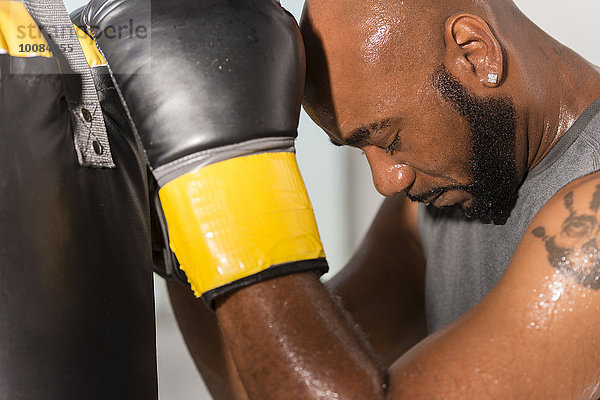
x=550 y=300
x=400 y=175
x=400 y=171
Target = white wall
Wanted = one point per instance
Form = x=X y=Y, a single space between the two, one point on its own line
x=74 y=4
x=575 y=23
x=340 y=186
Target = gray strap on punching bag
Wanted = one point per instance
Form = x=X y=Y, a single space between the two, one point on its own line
x=90 y=137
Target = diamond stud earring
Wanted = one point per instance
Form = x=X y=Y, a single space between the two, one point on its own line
x=492 y=77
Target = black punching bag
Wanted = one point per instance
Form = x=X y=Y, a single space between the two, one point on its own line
x=76 y=289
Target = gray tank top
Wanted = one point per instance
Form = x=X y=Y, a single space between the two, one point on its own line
x=466 y=258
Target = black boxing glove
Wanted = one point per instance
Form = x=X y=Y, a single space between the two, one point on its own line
x=214 y=90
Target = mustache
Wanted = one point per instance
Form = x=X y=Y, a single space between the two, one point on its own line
x=430 y=195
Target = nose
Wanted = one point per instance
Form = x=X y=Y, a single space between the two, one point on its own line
x=389 y=176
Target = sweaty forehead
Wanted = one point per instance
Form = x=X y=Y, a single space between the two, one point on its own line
x=364 y=28
x=358 y=52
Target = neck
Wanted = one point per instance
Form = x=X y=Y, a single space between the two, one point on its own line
x=569 y=84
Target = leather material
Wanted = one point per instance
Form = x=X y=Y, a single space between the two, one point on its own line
x=222 y=72
x=206 y=82
x=77 y=314
x=164 y=261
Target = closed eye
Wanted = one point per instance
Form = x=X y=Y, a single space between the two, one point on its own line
x=392 y=147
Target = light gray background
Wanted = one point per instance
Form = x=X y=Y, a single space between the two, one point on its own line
x=340 y=187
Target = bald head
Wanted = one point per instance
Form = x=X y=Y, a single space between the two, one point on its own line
x=350 y=40
x=451 y=101
x=418 y=85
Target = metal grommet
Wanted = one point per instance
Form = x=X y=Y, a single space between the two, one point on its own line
x=85 y=113
x=97 y=147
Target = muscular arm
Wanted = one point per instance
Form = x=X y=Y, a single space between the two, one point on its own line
x=533 y=336
x=381 y=289
x=206 y=344
x=382 y=286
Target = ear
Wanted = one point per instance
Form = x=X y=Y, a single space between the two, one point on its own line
x=472 y=50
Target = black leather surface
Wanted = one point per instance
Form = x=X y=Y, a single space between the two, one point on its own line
x=221 y=72
x=76 y=294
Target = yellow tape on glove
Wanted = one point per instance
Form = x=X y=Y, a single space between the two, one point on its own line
x=238 y=217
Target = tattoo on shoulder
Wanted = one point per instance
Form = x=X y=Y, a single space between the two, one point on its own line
x=574 y=250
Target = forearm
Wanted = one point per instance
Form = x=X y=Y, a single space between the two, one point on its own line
x=289 y=340
x=206 y=345
x=383 y=285
x=385 y=298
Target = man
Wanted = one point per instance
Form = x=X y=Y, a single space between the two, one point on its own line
x=462 y=104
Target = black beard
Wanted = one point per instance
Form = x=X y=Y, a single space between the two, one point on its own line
x=492 y=122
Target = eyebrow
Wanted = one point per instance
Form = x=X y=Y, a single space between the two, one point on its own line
x=359 y=136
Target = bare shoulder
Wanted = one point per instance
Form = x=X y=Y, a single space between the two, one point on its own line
x=534 y=335
x=569 y=228
x=583 y=192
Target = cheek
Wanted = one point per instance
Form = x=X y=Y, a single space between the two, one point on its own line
x=440 y=141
